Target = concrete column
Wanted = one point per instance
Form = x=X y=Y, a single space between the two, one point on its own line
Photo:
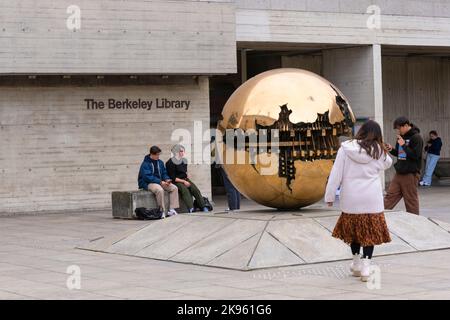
x=357 y=73
x=377 y=84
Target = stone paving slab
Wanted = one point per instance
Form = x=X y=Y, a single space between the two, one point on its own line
x=418 y=231
x=252 y=240
x=442 y=224
x=155 y=231
x=103 y=243
x=272 y=253
x=206 y=250
x=239 y=256
x=28 y=262
x=171 y=245
x=308 y=239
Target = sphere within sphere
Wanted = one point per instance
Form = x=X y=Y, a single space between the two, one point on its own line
x=308 y=113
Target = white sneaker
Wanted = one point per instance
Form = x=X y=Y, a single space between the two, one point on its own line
x=365 y=269
x=171 y=212
x=355 y=266
x=421 y=183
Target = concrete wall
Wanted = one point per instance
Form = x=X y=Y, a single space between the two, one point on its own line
x=403 y=22
x=55 y=154
x=133 y=36
x=357 y=73
x=419 y=88
x=426 y=8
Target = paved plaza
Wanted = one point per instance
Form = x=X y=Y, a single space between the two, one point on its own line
x=38 y=257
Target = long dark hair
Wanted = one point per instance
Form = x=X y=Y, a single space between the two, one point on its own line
x=370 y=138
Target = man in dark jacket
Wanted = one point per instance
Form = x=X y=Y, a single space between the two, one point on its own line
x=153 y=177
x=433 y=149
x=408 y=151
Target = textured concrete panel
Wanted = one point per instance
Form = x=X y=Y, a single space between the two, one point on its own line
x=151 y=36
x=184 y=238
x=442 y=224
x=308 y=239
x=77 y=156
x=227 y=238
x=272 y=253
x=104 y=244
x=157 y=231
x=237 y=242
x=238 y=257
x=418 y=231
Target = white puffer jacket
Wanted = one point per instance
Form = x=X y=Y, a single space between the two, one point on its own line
x=358 y=175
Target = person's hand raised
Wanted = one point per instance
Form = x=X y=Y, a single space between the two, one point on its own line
x=388 y=147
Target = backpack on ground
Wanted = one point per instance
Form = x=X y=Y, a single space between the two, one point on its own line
x=207 y=204
x=148 y=214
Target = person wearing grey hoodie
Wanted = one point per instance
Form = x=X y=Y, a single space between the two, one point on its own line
x=356 y=170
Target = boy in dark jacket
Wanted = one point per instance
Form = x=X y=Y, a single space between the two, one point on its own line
x=408 y=151
x=153 y=177
x=433 y=149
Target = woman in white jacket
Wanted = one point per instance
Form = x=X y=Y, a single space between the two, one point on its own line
x=356 y=170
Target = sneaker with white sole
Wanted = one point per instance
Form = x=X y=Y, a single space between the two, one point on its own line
x=355 y=266
x=171 y=212
x=365 y=269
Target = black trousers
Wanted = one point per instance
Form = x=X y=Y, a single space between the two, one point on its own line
x=367 y=251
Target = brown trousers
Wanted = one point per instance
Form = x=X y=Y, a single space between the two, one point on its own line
x=403 y=186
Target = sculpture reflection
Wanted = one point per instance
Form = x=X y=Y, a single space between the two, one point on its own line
x=286 y=125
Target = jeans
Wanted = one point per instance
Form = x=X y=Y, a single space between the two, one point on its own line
x=432 y=160
x=233 y=196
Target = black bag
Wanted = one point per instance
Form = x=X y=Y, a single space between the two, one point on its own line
x=148 y=214
x=207 y=204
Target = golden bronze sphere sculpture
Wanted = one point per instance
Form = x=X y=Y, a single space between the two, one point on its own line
x=281 y=133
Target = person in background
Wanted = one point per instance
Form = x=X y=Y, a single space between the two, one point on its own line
x=356 y=170
x=408 y=150
x=153 y=177
x=233 y=195
x=433 y=149
x=177 y=169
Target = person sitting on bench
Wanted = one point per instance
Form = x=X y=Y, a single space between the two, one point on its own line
x=153 y=177
x=177 y=170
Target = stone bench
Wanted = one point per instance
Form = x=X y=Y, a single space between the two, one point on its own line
x=442 y=170
x=125 y=202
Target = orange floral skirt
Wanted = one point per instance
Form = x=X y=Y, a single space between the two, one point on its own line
x=367 y=229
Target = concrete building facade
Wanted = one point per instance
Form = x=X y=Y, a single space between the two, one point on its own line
x=87 y=87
